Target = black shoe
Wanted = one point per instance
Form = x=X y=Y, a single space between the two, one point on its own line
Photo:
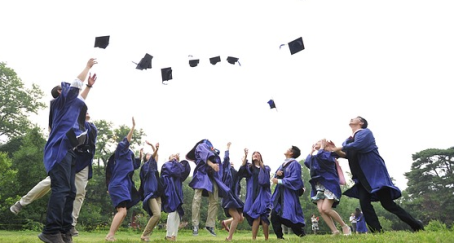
x=51 y=238
x=420 y=226
x=210 y=230
x=67 y=237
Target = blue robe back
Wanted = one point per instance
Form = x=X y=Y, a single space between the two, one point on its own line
x=173 y=173
x=65 y=111
x=121 y=186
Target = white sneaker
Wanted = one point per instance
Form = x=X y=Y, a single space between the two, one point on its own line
x=16 y=208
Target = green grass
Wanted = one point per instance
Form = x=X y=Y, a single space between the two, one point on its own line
x=240 y=236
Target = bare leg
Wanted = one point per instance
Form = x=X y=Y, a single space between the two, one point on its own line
x=255 y=228
x=321 y=209
x=237 y=218
x=327 y=208
x=266 y=230
x=116 y=222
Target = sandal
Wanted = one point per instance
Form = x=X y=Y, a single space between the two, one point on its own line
x=349 y=231
x=225 y=226
x=110 y=238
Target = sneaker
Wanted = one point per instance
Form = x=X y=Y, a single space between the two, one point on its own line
x=73 y=231
x=48 y=238
x=210 y=230
x=195 y=231
x=67 y=238
x=16 y=208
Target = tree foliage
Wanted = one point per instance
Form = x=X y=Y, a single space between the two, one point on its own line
x=431 y=185
x=16 y=103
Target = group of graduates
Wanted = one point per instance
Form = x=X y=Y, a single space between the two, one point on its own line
x=68 y=150
x=213 y=177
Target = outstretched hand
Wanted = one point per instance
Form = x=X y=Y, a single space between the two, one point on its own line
x=91 y=79
x=91 y=62
x=133 y=122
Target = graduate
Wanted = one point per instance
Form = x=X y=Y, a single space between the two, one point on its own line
x=326 y=191
x=119 y=171
x=173 y=173
x=371 y=177
x=286 y=204
x=150 y=191
x=232 y=204
x=67 y=118
x=207 y=182
x=258 y=204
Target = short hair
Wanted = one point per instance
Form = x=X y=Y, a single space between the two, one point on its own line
x=364 y=122
x=296 y=152
x=54 y=91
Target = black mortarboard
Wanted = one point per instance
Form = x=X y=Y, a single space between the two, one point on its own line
x=166 y=74
x=193 y=62
x=215 y=60
x=145 y=63
x=102 y=41
x=272 y=104
x=296 y=45
x=232 y=60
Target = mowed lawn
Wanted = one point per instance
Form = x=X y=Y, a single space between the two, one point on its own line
x=240 y=236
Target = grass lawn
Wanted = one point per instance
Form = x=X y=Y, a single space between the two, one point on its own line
x=240 y=236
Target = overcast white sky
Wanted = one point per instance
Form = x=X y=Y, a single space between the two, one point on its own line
x=388 y=61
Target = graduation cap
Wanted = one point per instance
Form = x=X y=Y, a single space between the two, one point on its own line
x=232 y=60
x=102 y=41
x=296 y=45
x=215 y=60
x=166 y=74
x=272 y=104
x=145 y=63
x=193 y=62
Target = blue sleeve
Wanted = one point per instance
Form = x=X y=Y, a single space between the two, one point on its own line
x=362 y=141
x=308 y=160
x=293 y=181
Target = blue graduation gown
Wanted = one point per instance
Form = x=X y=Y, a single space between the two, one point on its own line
x=173 y=173
x=65 y=111
x=203 y=173
x=149 y=183
x=361 y=224
x=258 y=193
x=86 y=152
x=367 y=166
x=121 y=186
x=231 y=199
x=323 y=171
x=285 y=198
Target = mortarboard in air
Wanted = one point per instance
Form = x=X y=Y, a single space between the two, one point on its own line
x=215 y=60
x=296 y=45
x=102 y=41
x=193 y=62
x=272 y=104
x=232 y=60
x=145 y=63
x=166 y=74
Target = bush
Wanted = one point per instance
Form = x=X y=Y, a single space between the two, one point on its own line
x=435 y=225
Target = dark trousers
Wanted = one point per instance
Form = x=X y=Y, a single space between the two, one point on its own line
x=388 y=203
x=60 y=206
x=277 y=222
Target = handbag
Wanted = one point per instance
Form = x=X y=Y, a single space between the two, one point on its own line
x=340 y=173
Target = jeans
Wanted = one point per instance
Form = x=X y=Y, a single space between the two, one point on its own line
x=60 y=206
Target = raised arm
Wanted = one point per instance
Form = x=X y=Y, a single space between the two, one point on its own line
x=129 y=137
x=91 y=79
x=155 y=149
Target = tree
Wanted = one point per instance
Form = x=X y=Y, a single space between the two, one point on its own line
x=16 y=103
x=431 y=185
